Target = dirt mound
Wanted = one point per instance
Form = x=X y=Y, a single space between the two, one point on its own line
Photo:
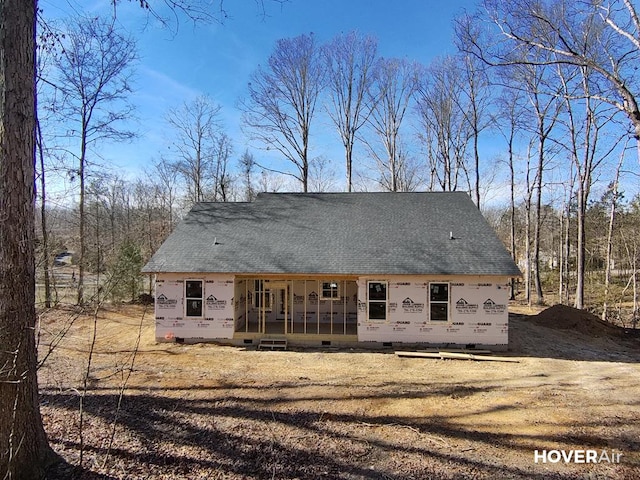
x=563 y=317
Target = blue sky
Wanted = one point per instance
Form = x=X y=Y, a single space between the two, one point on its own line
x=217 y=60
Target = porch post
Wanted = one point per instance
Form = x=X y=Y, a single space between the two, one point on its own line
x=286 y=307
x=246 y=305
x=304 y=319
x=318 y=292
x=344 y=307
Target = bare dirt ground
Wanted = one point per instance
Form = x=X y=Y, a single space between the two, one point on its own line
x=219 y=412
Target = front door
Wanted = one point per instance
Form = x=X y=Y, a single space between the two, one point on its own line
x=282 y=309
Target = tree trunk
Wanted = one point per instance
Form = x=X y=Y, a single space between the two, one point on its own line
x=635 y=291
x=82 y=222
x=537 y=230
x=567 y=249
x=512 y=180
x=561 y=257
x=581 y=238
x=527 y=251
x=24 y=449
x=612 y=218
x=43 y=221
x=607 y=272
x=476 y=156
x=349 y=153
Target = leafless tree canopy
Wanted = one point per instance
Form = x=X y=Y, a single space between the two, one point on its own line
x=350 y=62
x=281 y=104
x=390 y=96
x=94 y=72
x=443 y=130
x=201 y=151
x=601 y=36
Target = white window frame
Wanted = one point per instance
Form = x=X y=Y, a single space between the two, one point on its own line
x=447 y=303
x=258 y=289
x=331 y=289
x=376 y=301
x=200 y=298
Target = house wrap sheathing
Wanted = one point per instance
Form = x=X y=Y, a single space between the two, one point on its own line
x=344 y=268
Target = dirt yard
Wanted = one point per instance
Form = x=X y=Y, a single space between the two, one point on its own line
x=219 y=412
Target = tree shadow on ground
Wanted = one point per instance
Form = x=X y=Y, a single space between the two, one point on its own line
x=235 y=437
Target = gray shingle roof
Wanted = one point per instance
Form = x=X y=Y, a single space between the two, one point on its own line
x=336 y=233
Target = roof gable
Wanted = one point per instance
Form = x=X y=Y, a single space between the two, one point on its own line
x=337 y=233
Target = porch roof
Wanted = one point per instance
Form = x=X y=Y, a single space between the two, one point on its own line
x=336 y=233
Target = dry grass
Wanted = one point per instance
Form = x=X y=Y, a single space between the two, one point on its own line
x=208 y=411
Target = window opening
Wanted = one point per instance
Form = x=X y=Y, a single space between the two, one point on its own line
x=377 y=300
x=439 y=302
x=193 y=298
x=330 y=291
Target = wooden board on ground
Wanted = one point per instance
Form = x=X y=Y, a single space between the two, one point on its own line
x=456 y=356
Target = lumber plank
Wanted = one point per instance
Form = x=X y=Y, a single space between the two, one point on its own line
x=418 y=354
x=457 y=356
x=470 y=356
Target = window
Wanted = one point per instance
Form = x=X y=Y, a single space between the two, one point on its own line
x=193 y=297
x=260 y=293
x=330 y=291
x=377 y=304
x=439 y=302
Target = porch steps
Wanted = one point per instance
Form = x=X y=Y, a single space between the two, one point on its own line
x=272 y=344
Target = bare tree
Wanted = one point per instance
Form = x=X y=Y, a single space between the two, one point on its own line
x=247 y=165
x=546 y=108
x=223 y=178
x=444 y=130
x=350 y=60
x=614 y=188
x=44 y=117
x=566 y=236
x=601 y=36
x=197 y=129
x=631 y=247
x=321 y=175
x=507 y=119
x=395 y=82
x=94 y=71
x=270 y=182
x=282 y=101
x=42 y=193
x=165 y=174
x=540 y=93
x=474 y=104
x=594 y=48
x=24 y=450
x=586 y=117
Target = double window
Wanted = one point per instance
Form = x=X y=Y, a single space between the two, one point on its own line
x=377 y=300
x=193 y=294
x=439 y=302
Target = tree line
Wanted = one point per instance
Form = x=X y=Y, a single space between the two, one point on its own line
x=552 y=83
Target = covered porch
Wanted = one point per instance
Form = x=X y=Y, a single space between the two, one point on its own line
x=317 y=309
